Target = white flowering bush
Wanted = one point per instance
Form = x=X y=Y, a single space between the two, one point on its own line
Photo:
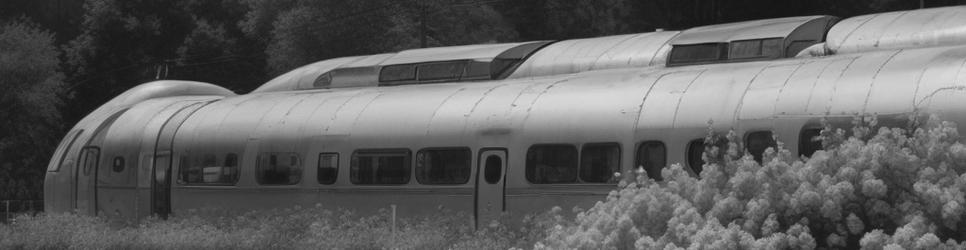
x=891 y=189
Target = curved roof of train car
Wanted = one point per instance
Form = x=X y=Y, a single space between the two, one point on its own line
x=579 y=106
x=609 y=52
x=755 y=29
x=900 y=29
x=305 y=75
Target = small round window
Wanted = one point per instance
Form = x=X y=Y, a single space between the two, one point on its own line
x=493 y=169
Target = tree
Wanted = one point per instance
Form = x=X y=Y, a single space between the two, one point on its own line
x=30 y=93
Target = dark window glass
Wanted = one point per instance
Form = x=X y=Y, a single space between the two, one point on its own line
x=809 y=141
x=477 y=70
x=328 y=168
x=599 y=162
x=369 y=167
x=204 y=170
x=695 y=153
x=394 y=73
x=501 y=67
x=797 y=46
x=771 y=48
x=323 y=81
x=493 y=169
x=652 y=156
x=91 y=158
x=757 y=142
x=745 y=49
x=441 y=71
x=118 y=164
x=552 y=164
x=278 y=169
x=443 y=166
x=697 y=53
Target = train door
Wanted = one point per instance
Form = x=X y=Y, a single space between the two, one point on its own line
x=490 y=179
x=161 y=174
x=86 y=178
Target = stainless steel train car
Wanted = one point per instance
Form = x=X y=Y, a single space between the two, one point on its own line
x=496 y=128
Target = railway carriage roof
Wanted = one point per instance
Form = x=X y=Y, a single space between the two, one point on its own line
x=756 y=29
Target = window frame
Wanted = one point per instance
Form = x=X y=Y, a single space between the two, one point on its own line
x=530 y=174
x=638 y=157
x=580 y=161
x=461 y=64
x=416 y=165
x=318 y=167
x=386 y=151
x=382 y=73
x=721 y=47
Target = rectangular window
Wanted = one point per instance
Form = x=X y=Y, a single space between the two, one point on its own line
x=205 y=170
x=441 y=71
x=745 y=49
x=547 y=164
x=380 y=167
x=278 y=169
x=395 y=73
x=771 y=48
x=477 y=70
x=757 y=142
x=652 y=156
x=599 y=162
x=698 y=53
x=443 y=166
x=328 y=168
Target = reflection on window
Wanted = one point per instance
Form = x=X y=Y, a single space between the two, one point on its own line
x=599 y=162
x=695 y=154
x=757 y=48
x=757 y=143
x=375 y=167
x=328 y=168
x=392 y=73
x=278 y=169
x=443 y=166
x=206 y=170
x=552 y=164
x=652 y=156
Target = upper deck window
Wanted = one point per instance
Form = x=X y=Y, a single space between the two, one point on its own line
x=441 y=71
x=698 y=53
x=756 y=48
x=395 y=73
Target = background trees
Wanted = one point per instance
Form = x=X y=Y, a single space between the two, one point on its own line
x=92 y=50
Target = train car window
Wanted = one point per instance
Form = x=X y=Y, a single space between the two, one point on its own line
x=380 y=167
x=652 y=156
x=394 y=73
x=278 y=169
x=205 y=170
x=328 y=168
x=493 y=169
x=809 y=141
x=323 y=81
x=476 y=70
x=440 y=71
x=695 y=154
x=698 y=53
x=118 y=165
x=443 y=166
x=599 y=162
x=797 y=46
x=745 y=49
x=547 y=164
x=771 y=48
x=757 y=142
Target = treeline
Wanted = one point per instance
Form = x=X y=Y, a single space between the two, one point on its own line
x=60 y=59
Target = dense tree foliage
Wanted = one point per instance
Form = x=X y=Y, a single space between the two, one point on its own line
x=31 y=88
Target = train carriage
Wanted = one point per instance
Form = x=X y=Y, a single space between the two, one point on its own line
x=496 y=128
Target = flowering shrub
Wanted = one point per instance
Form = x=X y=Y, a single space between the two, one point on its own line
x=891 y=189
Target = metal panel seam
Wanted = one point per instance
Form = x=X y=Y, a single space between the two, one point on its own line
x=677 y=107
x=849 y=35
x=868 y=96
x=831 y=97
x=811 y=91
x=784 y=85
x=741 y=99
x=441 y=104
x=640 y=108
